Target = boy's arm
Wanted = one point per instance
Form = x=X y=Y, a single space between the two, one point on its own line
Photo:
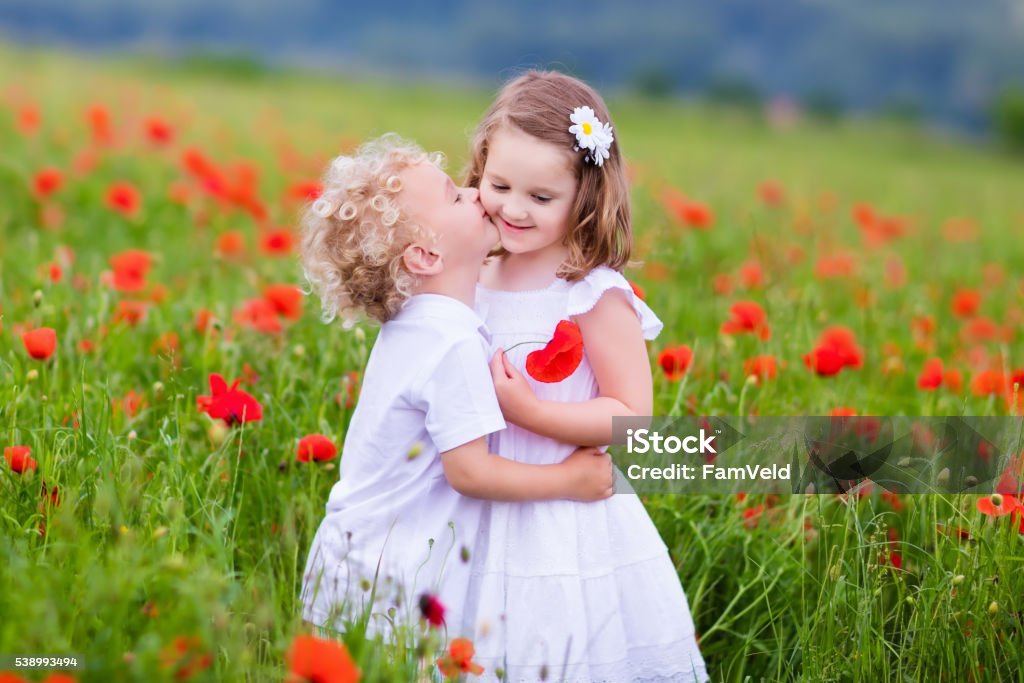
x=585 y=475
x=614 y=344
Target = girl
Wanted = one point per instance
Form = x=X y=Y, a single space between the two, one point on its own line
x=586 y=592
x=393 y=238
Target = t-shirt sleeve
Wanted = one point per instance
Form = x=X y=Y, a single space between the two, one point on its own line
x=585 y=294
x=459 y=397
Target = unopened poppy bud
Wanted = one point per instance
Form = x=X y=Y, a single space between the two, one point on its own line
x=464 y=554
x=158 y=389
x=32 y=375
x=993 y=608
x=970 y=481
x=360 y=335
x=958 y=579
x=37 y=297
x=132 y=435
x=943 y=477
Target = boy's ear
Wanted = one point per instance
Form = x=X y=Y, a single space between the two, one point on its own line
x=422 y=261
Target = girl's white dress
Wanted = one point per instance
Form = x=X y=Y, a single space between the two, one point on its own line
x=571 y=591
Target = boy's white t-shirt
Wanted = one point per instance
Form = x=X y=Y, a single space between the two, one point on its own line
x=427 y=389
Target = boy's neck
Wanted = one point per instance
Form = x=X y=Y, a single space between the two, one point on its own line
x=455 y=283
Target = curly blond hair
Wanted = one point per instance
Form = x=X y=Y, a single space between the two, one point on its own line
x=354 y=234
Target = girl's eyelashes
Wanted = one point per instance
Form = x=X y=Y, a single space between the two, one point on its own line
x=498 y=188
x=543 y=199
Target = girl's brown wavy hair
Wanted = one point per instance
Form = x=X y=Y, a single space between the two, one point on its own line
x=539 y=103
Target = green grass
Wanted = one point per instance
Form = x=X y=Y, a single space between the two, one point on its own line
x=168 y=528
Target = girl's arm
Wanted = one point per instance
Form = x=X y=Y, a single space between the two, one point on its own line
x=585 y=475
x=614 y=344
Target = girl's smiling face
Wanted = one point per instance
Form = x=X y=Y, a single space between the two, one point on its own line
x=529 y=188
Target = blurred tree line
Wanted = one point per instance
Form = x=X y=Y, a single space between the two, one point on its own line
x=941 y=60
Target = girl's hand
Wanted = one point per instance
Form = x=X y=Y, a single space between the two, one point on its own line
x=591 y=476
x=515 y=397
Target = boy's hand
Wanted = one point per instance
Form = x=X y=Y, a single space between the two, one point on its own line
x=590 y=474
x=515 y=397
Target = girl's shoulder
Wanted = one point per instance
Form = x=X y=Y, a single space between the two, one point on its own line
x=585 y=294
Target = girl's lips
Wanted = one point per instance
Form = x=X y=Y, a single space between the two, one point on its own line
x=510 y=226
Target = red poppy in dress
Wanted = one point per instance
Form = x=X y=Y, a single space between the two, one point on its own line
x=638 y=290
x=323 y=661
x=130 y=269
x=19 y=458
x=286 y=300
x=230 y=404
x=458 y=660
x=124 y=199
x=432 y=610
x=560 y=357
x=675 y=361
x=258 y=314
x=930 y=378
x=158 y=131
x=40 y=342
x=277 y=242
x=316 y=447
x=46 y=182
x=186 y=656
x=747 y=317
x=965 y=303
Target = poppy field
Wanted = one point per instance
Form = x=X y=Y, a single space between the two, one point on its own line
x=172 y=409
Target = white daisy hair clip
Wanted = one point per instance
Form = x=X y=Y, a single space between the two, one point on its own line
x=591 y=135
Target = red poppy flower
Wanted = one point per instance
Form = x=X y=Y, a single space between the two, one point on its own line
x=286 y=300
x=722 y=284
x=953 y=379
x=29 y=119
x=232 y=405
x=930 y=378
x=458 y=660
x=40 y=342
x=675 y=361
x=761 y=367
x=158 y=131
x=747 y=317
x=130 y=269
x=19 y=458
x=560 y=357
x=835 y=266
x=324 y=661
x=752 y=275
x=771 y=193
x=258 y=314
x=843 y=411
x=186 y=656
x=988 y=382
x=836 y=349
x=638 y=290
x=965 y=303
x=690 y=213
x=432 y=610
x=316 y=447
x=277 y=242
x=130 y=312
x=46 y=182
x=304 y=190
x=998 y=505
x=98 y=117
x=204 y=318
x=230 y=243
x=124 y=199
